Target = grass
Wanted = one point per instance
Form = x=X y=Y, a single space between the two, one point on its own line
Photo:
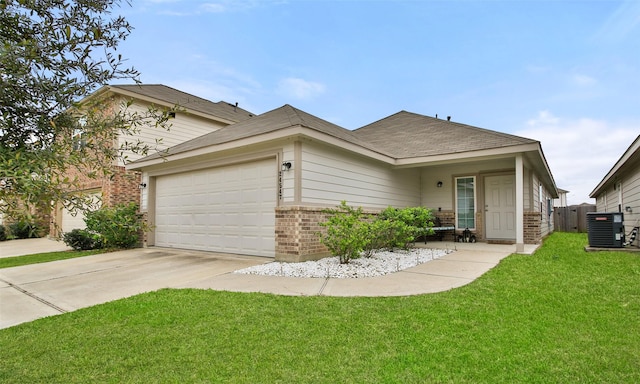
x=46 y=257
x=559 y=316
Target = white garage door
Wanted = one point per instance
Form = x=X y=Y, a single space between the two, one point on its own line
x=75 y=219
x=227 y=209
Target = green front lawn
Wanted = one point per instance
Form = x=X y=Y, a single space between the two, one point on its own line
x=16 y=261
x=559 y=316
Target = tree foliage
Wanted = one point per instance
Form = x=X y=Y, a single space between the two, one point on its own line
x=53 y=55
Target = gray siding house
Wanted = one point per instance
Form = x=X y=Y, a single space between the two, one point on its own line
x=619 y=190
x=259 y=186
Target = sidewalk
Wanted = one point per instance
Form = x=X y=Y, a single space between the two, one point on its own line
x=21 y=247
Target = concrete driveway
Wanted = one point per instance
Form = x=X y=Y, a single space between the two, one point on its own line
x=33 y=291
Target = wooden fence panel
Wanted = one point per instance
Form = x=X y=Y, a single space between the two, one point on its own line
x=572 y=218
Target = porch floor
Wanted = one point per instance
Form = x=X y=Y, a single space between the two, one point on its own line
x=529 y=249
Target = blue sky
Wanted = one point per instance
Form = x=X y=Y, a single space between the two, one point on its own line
x=566 y=73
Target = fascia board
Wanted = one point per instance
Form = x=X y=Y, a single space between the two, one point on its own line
x=166 y=104
x=293 y=132
x=449 y=158
x=633 y=148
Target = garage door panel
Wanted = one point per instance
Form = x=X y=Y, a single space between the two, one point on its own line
x=228 y=209
x=72 y=220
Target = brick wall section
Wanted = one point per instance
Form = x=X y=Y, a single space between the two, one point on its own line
x=479 y=232
x=297 y=233
x=447 y=218
x=532 y=230
x=122 y=187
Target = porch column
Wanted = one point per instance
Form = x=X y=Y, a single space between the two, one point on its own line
x=519 y=204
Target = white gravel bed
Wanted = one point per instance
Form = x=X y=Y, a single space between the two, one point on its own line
x=381 y=263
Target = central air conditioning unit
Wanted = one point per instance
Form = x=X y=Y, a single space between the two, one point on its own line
x=606 y=230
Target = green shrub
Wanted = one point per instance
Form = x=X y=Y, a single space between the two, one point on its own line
x=347 y=232
x=119 y=226
x=82 y=240
x=24 y=229
x=404 y=226
x=351 y=233
x=3 y=233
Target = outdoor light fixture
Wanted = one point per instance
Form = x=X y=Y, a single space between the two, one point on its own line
x=142 y=185
x=628 y=209
x=286 y=165
x=439 y=184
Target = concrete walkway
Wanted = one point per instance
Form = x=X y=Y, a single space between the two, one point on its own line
x=30 y=246
x=39 y=290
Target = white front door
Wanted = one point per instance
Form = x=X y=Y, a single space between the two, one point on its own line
x=500 y=207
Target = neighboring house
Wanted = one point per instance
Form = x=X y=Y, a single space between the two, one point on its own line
x=260 y=187
x=561 y=201
x=195 y=117
x=619 y=190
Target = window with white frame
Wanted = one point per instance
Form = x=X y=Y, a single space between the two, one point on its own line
x=466 y=202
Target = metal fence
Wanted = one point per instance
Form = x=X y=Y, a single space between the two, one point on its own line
x=572 y=218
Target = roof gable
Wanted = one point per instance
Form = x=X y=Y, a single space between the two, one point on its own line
x=406 y=135
x=628 y=160
x=170 y=96
x=274 y=120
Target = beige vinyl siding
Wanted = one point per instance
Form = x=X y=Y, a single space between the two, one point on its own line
x=527 y=189
x=330 y=175
x=631 y=192
x=601 y=202
x=182 y=128
x=546 y=225
x=608 y=200
x=434 y=197
x=631 y=198
x=541 y=204
x=144 y=192
x=288 y=177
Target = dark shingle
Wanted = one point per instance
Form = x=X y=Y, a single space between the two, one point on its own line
x=173 y=96
x=406 y=135
x=277 y=119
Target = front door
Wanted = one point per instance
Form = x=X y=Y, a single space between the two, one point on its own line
x=500 y=207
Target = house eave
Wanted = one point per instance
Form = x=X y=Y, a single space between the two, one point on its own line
x=289 y=133
x=455 y=157
x=166 y=104
x=533 y=151
x=618 y=167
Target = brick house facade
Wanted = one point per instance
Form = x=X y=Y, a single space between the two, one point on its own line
x=194 y=117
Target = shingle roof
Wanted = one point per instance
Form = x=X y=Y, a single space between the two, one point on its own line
x=173 y=96
x=406 y=135
x=399 y=136
x=274 y=120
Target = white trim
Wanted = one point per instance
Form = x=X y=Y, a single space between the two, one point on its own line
x=519 y=203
